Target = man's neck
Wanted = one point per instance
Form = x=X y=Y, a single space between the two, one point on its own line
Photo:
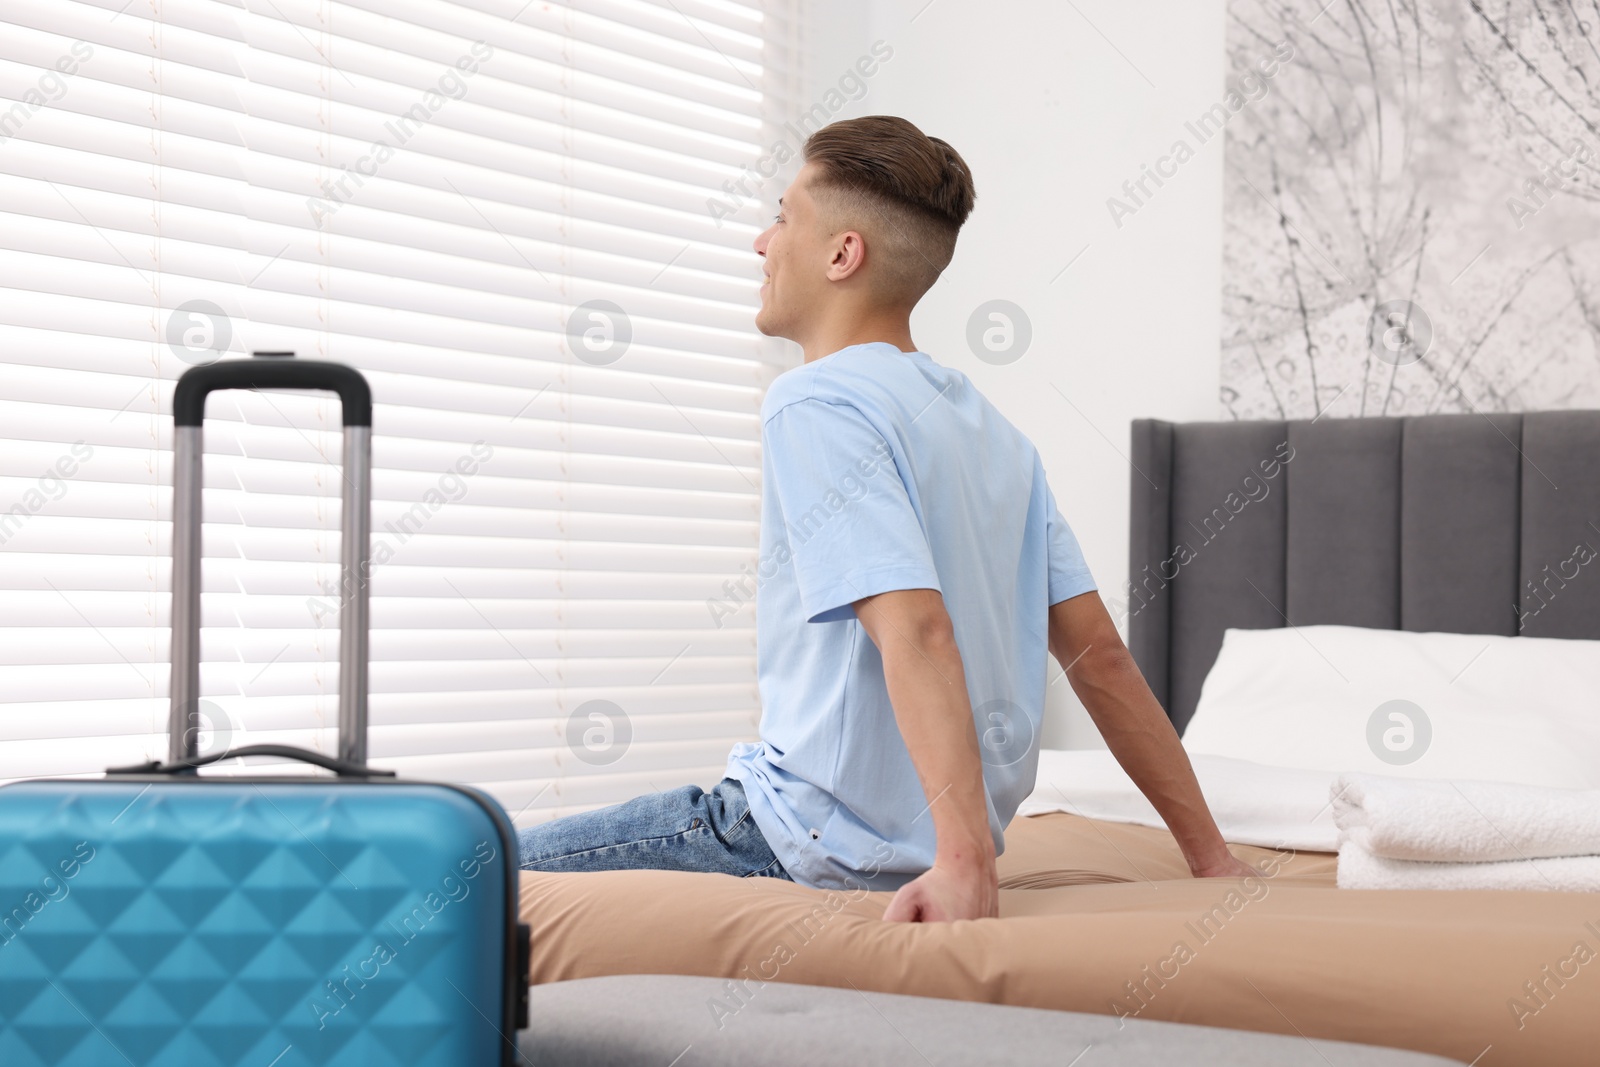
x=896 y=332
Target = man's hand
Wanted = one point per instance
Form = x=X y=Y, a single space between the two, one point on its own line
x=946 y=893
x=1232 y=867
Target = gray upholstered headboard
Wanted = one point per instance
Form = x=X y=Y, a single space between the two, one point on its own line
x=1463 y=523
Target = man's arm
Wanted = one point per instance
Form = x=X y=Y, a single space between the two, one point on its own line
x=1100 y=668
x=928 y=689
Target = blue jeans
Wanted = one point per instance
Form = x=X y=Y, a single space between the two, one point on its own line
x=683 y=829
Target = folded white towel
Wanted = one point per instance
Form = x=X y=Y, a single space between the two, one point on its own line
x=1463 y=821
x=1361 y=869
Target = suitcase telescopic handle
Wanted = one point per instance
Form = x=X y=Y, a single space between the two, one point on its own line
x=189 y=398
x=188 y=404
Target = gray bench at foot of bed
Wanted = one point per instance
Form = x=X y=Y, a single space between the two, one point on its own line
x=663 y=1020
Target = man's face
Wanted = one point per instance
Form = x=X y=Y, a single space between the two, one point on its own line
x=795 y=254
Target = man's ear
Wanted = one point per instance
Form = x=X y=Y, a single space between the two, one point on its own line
x=849 y=256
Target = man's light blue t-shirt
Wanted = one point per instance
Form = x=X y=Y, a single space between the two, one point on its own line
x=883 y=470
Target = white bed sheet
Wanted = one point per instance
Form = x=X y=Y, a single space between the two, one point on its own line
x=1253 y=803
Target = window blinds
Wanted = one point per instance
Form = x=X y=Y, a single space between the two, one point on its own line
x=502 y=214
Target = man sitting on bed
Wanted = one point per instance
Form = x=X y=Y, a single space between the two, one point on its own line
x=914 y=573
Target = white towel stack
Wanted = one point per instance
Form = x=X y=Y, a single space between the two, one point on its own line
x=1398 y=833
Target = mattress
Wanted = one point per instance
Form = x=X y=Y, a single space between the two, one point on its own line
x=627 y=1020
x=1102 y=917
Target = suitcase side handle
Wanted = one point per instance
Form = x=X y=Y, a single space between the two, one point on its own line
x=343 y=768
x=189 y=397
x=188 y=403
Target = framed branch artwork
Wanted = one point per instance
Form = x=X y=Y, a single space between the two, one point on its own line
x=1411 y=207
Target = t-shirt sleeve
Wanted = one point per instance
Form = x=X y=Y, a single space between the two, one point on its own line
x=1069 y=571
x=847 y=518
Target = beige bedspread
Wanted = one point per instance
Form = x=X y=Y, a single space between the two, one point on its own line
x=1103 y=917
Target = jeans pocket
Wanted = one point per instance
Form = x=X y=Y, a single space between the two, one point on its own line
x=731 y=812
x=740 y=835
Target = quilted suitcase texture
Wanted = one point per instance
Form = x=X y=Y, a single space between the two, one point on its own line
x=160 y=916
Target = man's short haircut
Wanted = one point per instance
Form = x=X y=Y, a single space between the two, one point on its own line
x=906 y=192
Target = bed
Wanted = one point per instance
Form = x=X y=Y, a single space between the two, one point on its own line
x=1435 y=523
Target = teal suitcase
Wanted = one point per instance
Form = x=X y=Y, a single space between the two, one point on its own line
x=159 y=916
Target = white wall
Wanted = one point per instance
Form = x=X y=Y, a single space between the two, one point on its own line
x=1052 y=120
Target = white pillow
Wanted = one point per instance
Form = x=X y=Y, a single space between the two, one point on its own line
x=1414 y=705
